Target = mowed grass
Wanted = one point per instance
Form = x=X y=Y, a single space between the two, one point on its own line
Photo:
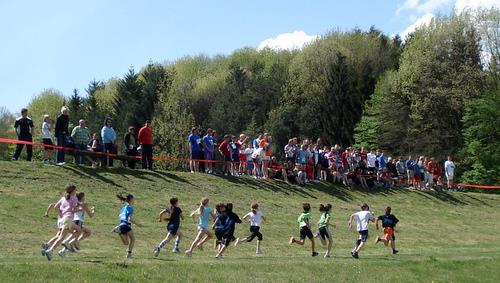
x=442 y=237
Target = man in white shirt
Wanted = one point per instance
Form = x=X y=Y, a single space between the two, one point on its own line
x=371 y=157
x=449 y=168
x=362 y=218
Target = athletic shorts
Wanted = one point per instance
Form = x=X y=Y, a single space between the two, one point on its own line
x=197 y=154
x=78 y=223
x=172 y=228
x=266 y=158
x=65 y=222
x=363 y=235
x=124 y=229
x=389 y=234
x=255 y=230
x=209 y=155
x=227 y=158
x=324 y=233
x=235 y=158
x=219 y=234
x=47 y=142
x=305 y=232
x=449 y=177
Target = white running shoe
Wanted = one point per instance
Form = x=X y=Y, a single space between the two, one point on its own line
x=129 y=255
x=258 y=251
x=327 y=255
x=62 y=253
x=175 y=250
x=156 y=252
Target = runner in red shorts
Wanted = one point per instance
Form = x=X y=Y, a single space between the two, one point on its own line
x=389 y=221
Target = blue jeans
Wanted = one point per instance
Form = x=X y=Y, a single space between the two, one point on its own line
x=61 y=141
x=79 y=157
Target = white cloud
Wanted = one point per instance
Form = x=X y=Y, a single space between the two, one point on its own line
x=422 y=6
x=460 y=5
x=290 y=41
x=422 y=21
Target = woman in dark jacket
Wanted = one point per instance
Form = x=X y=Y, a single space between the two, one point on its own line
x=61 y=133
x=130 y=143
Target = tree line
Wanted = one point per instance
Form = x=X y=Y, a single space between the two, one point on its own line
x=436 y=93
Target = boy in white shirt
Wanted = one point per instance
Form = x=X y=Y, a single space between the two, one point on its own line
x=449 y=168
x=255 y=218
x=362 y=218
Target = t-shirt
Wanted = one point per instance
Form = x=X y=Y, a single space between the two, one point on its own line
x=323 y=219
x=220 y=221
x=125 y=213
x=255 y=218
x=371 y=158
x=209 y=143
x=175 y=216
x=224 y=148
x=203 y=222
x=46 y=130
x=302 y=156
x=362 y=218
x=235 y=148
x=449 y=167
x=23 y=126
x=195 y=141
x=388 y=220
x=66 y=206
x=304 y=219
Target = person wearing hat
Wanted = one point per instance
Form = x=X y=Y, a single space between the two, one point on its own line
x=24 y=130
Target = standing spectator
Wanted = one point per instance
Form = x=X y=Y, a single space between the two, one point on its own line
x=371 y=157
x=108 y=135
x=61 y=133
x=24 y=130
x=46 y=139
x=409 y=170
x=208 y=150
x=81 y=137
x=234 y=147
x=94 y=145
x=146 y=142
x=225 y=152
x=400 y=167
x=290 y=151
x=449 y=169
x=130 y=143
x=196 y=150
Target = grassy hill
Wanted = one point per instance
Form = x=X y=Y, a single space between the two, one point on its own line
x=442 y=237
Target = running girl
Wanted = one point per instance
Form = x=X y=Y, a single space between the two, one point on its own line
x=304 y=221
x=66 y=207
x=174 y=222
x=389 y=221
x=124 y=229
x=255 y=218
x=323 y=223
x=203 y=212
x=81 y=232
x=362 y=218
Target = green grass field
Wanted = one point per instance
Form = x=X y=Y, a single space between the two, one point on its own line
x=442 y=237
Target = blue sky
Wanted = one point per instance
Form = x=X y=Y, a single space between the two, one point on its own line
x=65 y=44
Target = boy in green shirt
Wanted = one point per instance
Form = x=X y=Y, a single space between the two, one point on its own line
x=304 y=221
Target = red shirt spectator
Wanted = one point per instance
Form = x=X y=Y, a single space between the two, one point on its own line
x=145 y=135
x=224 y=148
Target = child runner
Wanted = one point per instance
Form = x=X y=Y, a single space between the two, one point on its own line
x=255 y=218
x=219 y=224
x=389 y=221
x=81 y=232
x=228 y=237
x=174 y=222
x=362 y=219
x=124 y=229
x=66 y=207
x=203 y=212
x=324 y=232
x=304 y=221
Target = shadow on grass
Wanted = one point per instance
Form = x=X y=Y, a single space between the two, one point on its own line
x=92 y=173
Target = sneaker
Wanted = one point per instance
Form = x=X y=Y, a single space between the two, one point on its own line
x=189 y=253
x=76 y=244
x=45 y=246
x=327 y=255
x=176 y=250
x=129 y=255
x=48 y=254
x=355 y=255
x=62 y=253
x=258 y=251
x=377 y=240
x=292 y=240
x=395 y=252
x=315 y=254
x=156 y=252
x=60 y=163
x=65 y=244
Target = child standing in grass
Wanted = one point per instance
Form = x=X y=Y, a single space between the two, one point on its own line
x=304 y=221
x=324 y=232
x=362 y=218
x=389 y=221
x=255 y=218
x=203 y=212
x=174 y=222
x=66 y=207
x=124 y=229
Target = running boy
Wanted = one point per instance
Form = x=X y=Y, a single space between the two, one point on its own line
x=304 y=221
x=389 y=221
x=174 y=222
x=124 y=229
x=362 y=218
x=255 y=218
x=228 y=236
